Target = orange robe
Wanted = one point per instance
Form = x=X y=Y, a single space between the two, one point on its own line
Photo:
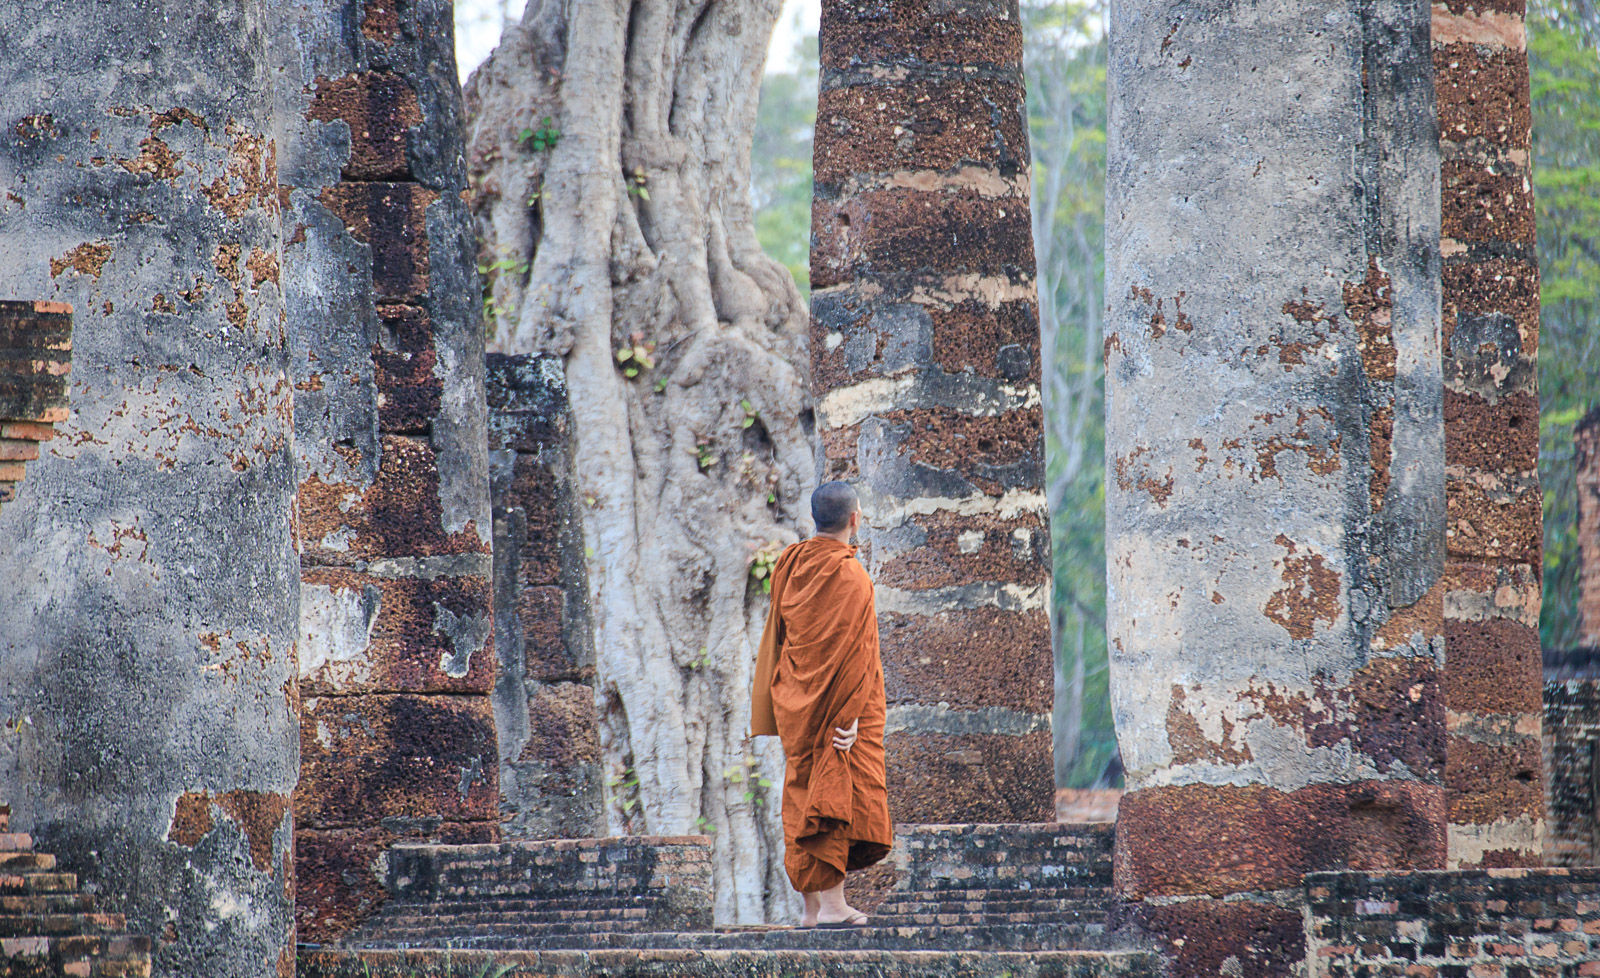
x=819 y=669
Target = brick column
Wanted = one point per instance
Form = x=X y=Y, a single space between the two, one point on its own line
x=1275 y=462
x=1586 y=439
x=1491 y=406
x=925 y=353
x=148 y=629
x=397 y=727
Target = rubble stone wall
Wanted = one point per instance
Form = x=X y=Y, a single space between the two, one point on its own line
x=396 y=666
x=1533 y=923
x=1571 y=739
x=925 y=360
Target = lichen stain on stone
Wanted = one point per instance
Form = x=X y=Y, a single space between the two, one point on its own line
x=1369 y=305
x=88 y=258
x=1157 y=316
x=156 y=160
x=1312 y=594
x=1321 y=454
x=1132 y=474
x=252 y=168
x=1189 y=742
x=257 y=813
x=1380 y=439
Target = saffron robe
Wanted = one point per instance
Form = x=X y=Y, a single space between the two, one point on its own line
x=819 y=669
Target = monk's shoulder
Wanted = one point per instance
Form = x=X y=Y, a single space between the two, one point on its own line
x=855 y=572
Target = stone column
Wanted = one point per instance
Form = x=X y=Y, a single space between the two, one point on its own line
x=397 y=727
x=1491 y=408
x=1275 y=461
x=925 y=356
x=1586 y=437
x=551 y=770
x=147 y=636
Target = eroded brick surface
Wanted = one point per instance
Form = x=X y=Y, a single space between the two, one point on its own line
x=1490 y=280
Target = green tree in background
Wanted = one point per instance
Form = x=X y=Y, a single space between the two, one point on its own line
x=780 y=167
x=1066 y=74
x=1564 y=70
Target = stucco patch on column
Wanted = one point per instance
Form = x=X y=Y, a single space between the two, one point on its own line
x=925 y=354
x=1275 y=460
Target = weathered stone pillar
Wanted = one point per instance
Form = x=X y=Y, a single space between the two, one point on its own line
x=1586 y=438
x=147 y=636
x=397 y=727
x=925 y=352
x=551 y=769
x=1275 y=460
x=1495 y=536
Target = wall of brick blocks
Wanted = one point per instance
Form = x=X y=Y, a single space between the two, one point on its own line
x=1527 y=923
x=1491 y=407
x=1572 y=775
x=1586 y=439
x=396 y=661
x=925 y=361
x=550 y=761
x=35 y=358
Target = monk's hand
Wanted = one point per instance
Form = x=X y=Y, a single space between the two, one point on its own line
x=844 y=738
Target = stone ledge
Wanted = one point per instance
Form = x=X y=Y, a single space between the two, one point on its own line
x=676 y=963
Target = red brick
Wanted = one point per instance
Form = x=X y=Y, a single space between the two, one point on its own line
x=365 y=758
x=1216 y=840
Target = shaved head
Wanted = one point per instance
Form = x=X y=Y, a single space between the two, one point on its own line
x=831 y=506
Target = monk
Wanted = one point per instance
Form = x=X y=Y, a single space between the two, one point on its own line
x=819 y=688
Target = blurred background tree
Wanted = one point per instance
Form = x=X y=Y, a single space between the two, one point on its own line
x=1564 y=71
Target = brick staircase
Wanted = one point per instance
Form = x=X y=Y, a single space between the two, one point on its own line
x=969 y=900
x=49 y=928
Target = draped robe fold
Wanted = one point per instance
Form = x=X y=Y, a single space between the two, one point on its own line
x=818 y=669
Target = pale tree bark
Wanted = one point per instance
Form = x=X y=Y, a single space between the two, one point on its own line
x=635 y=229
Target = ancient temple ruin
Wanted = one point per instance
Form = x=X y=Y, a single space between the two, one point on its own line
x=299 y=671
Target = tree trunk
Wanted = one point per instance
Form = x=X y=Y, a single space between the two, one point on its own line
x=633 y=233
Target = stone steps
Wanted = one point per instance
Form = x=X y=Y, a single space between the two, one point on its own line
x=1033 y=937
x=696 y=963
x=49 y=928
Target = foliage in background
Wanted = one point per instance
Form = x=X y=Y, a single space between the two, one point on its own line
x=1564 y=69
x=1066 y=74
x=780 y=167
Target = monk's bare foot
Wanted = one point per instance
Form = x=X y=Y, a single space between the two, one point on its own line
x=851 y=917
x=813 y=905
